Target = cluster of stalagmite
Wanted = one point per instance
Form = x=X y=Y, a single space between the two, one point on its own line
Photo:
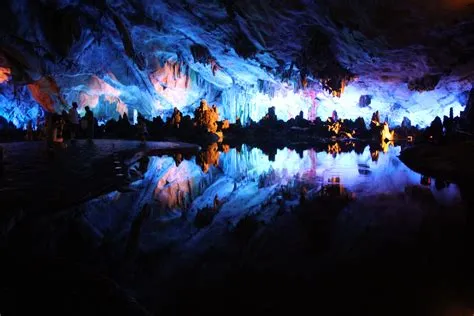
x=206 y=117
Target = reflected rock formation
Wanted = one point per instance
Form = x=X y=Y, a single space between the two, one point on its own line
x=244 y=180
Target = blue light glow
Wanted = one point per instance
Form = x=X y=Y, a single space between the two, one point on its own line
x=169 y=189
x=19 y=108
x=109 y=98
x=104 y=78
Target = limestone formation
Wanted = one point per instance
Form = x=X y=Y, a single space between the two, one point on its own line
x=176 y=118
x=206 y=117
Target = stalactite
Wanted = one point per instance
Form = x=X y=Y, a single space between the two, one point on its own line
x=187 y=77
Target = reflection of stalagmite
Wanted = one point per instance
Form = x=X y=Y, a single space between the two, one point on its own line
x=178 y=158
x=334 y=126
x=208 y=157
x=374 y=155
x=334 y=149
x=133 y=241
x=216 y=203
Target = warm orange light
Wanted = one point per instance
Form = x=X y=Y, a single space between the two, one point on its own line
x=387 y=134
x=208 y=158
x=4 y=74
x=387 y=137
x=386 y=146
x=334 y=149
x=225 y=124
x=225 y=148
x=336 y=127
x=42 y=91
x=375 y=155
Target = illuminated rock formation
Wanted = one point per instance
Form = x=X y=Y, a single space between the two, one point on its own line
x=4 y=74
x=176 y=118
x=381 y=131
x=206 y=117
x=387 y=134
x=208 y=157
x=152 y=56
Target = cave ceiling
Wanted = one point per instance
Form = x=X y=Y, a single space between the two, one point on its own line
x=152 y=55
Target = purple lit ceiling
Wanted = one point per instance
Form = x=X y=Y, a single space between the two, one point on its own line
x=414 y=58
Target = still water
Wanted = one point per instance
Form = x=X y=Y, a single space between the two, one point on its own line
x=248 y=177
x=240 y=182
x=398 y=236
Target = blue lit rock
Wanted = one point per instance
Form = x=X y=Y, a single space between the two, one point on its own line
x=106 y=54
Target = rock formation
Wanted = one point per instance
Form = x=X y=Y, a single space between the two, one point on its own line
x=120 y=56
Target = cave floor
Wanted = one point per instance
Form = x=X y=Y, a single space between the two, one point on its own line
x=393 y=248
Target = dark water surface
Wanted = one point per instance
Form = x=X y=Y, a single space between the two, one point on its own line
x=231 y=231
x=35 y=179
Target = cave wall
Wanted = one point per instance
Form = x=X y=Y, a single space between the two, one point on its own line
x=118 y=56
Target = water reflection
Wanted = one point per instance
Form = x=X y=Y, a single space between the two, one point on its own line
x=182 y=183
x=359 y=172
x=182 y=212
x=245 y=180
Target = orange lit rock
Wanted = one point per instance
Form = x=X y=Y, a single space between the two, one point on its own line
x=225 y=148
x=334 y=149
x=43 y=90
x=208 y=158
x=4 y=74
x=225 y=124
x=387 y=135
x=206 y=117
